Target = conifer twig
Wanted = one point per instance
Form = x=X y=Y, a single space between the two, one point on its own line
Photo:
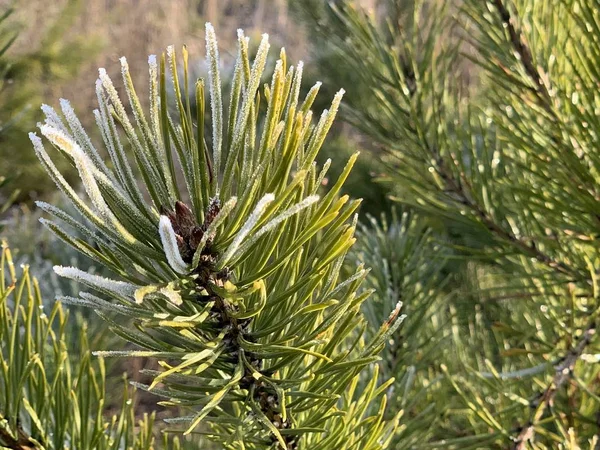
x=454 y=185
x=522 y=49
x=563 y=372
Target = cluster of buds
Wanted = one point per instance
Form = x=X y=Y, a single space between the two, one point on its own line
x=188 y=232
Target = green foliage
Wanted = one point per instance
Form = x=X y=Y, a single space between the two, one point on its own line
x=51 y=398
x=26 y=79
x=7 y=38
x=504 y=154
x=226 y=261
x=5 y=203
x=408 y=266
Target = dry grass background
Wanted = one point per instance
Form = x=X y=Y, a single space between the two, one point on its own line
x=137 y=28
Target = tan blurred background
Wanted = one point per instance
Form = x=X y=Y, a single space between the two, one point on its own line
x=109 y=29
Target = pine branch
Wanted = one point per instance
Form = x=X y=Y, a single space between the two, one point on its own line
x=234 y=284
x=526 y=57
x=545 y=399
x=460 y=187
x=51 y=396
x=510 y=168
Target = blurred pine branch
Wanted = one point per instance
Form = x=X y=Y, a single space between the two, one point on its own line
x=501 y=159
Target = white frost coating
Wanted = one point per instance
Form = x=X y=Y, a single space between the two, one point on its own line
x=52 y=117
x=335 y=271
x=84 y=166
x=125 y=353
x=395 y=312
x=140 y=120
x=102 y=127
x=154 y=96
x=53 y=226
x=37 y=143
x=322 y=174
x=270 y=132
x=297 y=83
x=112 y=141
x=62 y=140
x=169 y=243
x=323 y=126
x=295 y=209
x=109 y=88
x=337 y=100
x=102 y=121
x=95 y=281
x=91 y=301
x=58 y=178
x=80 y=134
x=331 y=113
x=246 y=228
x=360 y=273
x=249 y=94
x=312 y=93
x=216 y=104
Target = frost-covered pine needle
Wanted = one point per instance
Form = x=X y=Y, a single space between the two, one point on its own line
x=322 y=174
x=91 y=301
x=255 y=76
x=84 y=166
x=295 y=209
x=310 y=97
x=52 y=118
x=81 y=136
x=393 y=317
x=212 y=228
x=359 y=274
x=216 y=103
x=295 y=93
x=95 y=281
x=169 y=243
x=154 y=97
x=246 y=228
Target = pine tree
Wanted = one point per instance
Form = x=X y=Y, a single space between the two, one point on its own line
x=492 y=135
x=226 y=257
